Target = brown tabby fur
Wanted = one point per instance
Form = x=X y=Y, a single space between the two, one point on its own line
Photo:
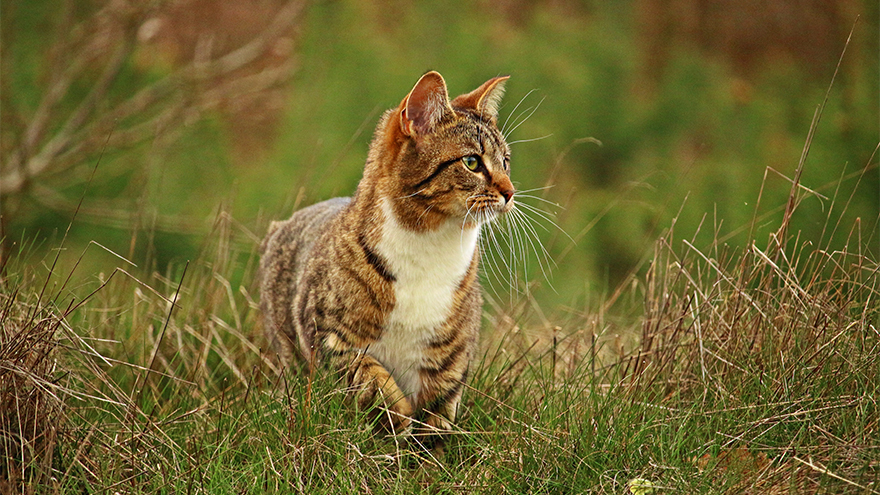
x=359 y=283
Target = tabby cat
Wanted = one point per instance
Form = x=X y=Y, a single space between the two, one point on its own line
x=383 y=286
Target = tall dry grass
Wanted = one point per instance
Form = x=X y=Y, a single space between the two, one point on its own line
x=756 y=372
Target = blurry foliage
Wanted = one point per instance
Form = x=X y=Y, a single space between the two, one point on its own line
x=131 y=83
x=693 y=101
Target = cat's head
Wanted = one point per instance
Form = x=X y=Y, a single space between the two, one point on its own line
x=445 y=160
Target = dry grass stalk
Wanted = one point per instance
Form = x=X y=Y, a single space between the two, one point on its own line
x=30 y=407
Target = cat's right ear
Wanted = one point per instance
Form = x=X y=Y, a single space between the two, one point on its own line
x=486 y=99
x=425 y=105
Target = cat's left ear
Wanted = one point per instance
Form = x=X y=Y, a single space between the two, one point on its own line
x=486 y=99
x=425 y=105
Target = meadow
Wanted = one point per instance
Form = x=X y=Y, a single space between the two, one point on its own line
x=704 y=320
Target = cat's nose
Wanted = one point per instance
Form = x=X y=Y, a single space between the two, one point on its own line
x=508 y=194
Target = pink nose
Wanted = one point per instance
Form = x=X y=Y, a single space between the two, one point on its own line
x=508 y=194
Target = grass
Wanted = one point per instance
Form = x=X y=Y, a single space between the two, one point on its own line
x=757 y=370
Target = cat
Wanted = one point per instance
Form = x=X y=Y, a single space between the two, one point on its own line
x=384 y=286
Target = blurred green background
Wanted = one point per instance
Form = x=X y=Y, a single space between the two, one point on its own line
x=694 y=103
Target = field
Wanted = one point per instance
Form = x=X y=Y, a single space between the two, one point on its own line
x=708 y=321
x=755 y=371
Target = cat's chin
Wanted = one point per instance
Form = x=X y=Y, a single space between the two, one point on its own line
x=473 y=225
x=500 y=210
x=488 y=214
x=486 y=217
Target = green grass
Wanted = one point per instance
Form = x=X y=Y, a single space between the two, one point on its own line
x=756 y=371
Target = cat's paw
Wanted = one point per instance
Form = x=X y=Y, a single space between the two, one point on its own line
x=431 y=434
x=397 y=417
x=437 y=424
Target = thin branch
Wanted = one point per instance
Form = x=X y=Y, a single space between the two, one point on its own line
x=77 y=137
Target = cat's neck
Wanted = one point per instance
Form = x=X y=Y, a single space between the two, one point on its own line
x=442 y=254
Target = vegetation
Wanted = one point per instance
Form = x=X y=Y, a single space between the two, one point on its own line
x=757 y=371
x=681 y=120
x=720 y=349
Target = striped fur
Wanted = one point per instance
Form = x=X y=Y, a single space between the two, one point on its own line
x=383 y=286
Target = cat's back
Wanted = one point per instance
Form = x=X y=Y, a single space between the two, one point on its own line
x=283 y=256
x=302 y=229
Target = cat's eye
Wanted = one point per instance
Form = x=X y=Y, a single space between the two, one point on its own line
x=471 y=162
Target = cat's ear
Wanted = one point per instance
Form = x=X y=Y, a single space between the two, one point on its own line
x=486 y=99
x=425 y=105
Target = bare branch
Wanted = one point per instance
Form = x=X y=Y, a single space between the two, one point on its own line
x=201 y=84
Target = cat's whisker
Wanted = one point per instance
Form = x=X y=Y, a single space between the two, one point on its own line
x=419 y=220
x=526 y=193
x=527 y=117
x=464 y=222
x=530 y=222
x=531 y=140
x=546 y=259
x=469 y=214
x=544 y=188
x=516 y=244
x=519 y=242
x=541 y=254
x=522 y=194
x=527 y=232
x=546 y=216
x=518 y=258
x=494 y=239
x=512 y=275
x=414 y=194
x=493 y=270
x=494 y=251
x=519 y=119
x=536 y=208
x=521 y=251
x=521 y=100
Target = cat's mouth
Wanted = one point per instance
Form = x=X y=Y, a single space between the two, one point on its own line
x=486 y=209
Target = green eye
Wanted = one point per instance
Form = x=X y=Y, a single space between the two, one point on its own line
x=471 y=162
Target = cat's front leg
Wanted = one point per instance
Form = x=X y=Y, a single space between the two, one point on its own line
x=440 y=417
x=441 y=397
x=371 y=383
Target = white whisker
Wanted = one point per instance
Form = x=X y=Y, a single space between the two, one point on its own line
x=527 y=117
x=542 y=255
x=418 y=220
x=551 y=186
x=519 y=195
x=492 y=264
x=413 y=194
x=528 y=140
x=504 y=126
x=529 y=223
x=546 y=216
x=517 y=244
x=509 y=258
x=494 y=240
x=467 y=215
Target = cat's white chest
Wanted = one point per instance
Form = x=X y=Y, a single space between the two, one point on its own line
x=428 y=267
